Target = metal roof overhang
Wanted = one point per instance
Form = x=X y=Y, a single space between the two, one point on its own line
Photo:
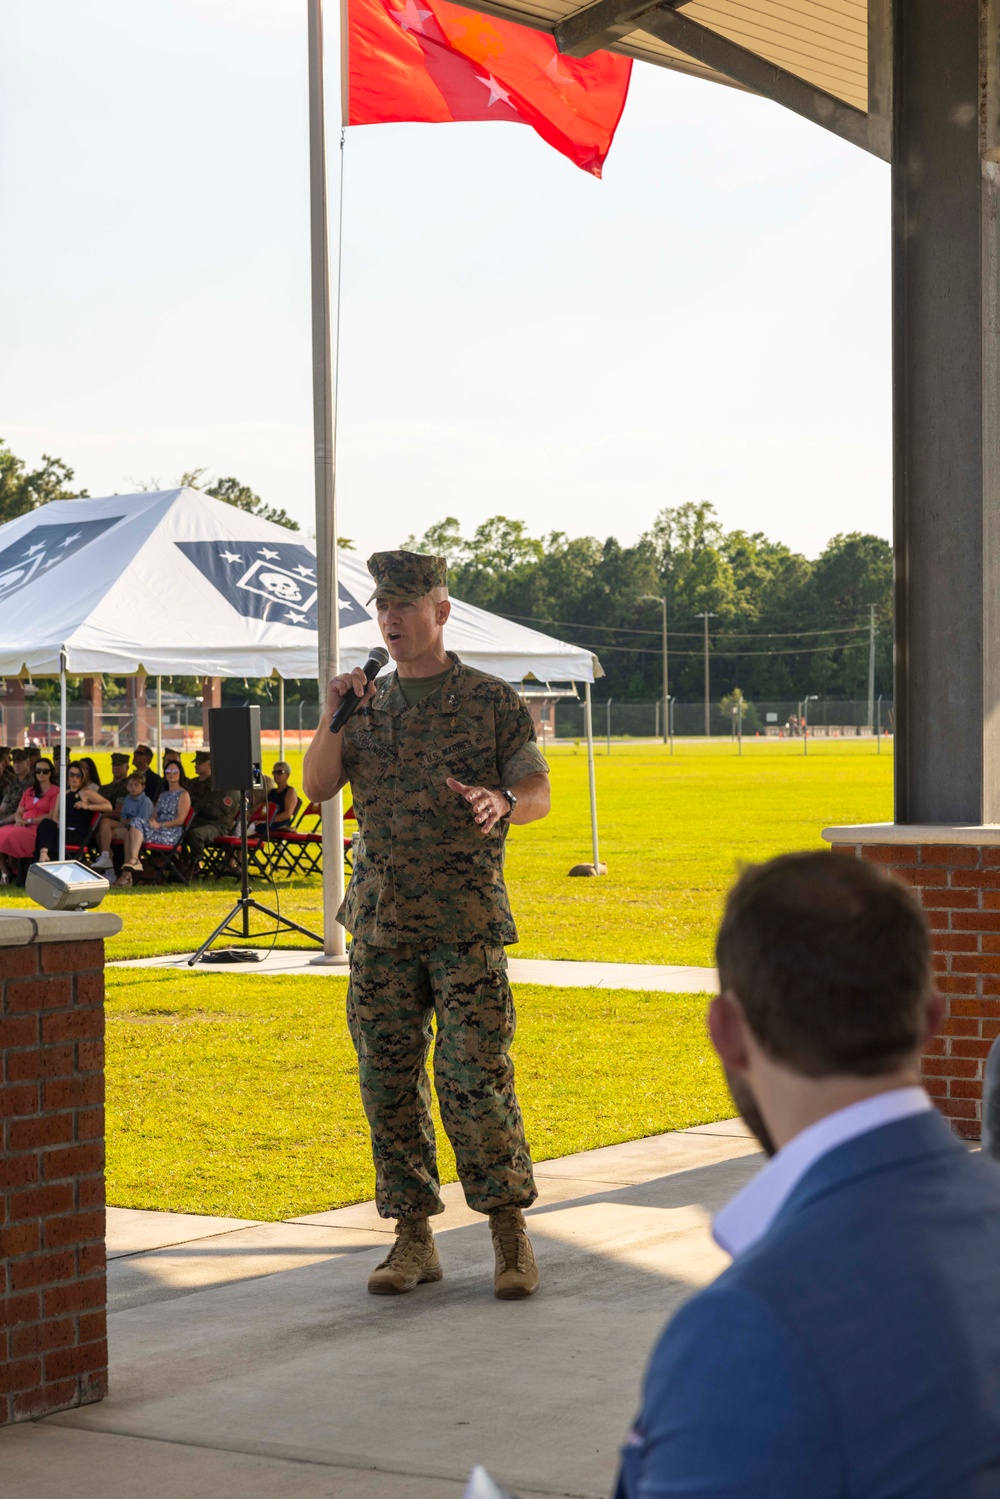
x=828 y=60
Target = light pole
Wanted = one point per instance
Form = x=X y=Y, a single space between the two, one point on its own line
x=813 y=697
x=871 y=664
x=878 y=725
x=706 y=615
x=653 y=598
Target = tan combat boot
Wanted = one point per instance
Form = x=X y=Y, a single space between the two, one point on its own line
x=516 y=1273
x=412 y=1260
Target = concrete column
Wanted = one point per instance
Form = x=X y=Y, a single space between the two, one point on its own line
x=211 y=697
x=947 y=425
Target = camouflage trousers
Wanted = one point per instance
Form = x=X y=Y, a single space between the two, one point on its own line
x=393 y=995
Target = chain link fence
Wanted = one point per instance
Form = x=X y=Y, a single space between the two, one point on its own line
x=182 y=723
x=825 y=718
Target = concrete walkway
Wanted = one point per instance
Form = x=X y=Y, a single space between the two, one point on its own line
x=247 y=1358
x=287 y=961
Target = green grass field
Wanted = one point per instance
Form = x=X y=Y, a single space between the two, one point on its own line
x=239 y=1096
x=674 y=830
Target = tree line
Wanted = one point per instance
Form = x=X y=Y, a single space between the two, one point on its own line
x=780 y=625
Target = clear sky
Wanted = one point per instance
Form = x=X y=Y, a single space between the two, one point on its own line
x=709 y=322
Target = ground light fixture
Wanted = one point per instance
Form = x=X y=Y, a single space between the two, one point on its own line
x=66 y=885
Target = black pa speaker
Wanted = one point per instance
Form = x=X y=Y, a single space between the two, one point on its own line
x=234 y=740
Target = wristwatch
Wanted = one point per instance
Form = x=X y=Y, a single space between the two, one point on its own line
x=513 y=803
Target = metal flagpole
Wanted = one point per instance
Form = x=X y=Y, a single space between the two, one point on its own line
x=62 y=753
x=324 y=366
x=281 y=718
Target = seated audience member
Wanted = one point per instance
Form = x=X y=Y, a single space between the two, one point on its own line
x=34 y=753
x=117 y=788
x=83 y=799
x=281 y=801
x=172 y=754
x=215 y=812
x=166 y=825
x=17 y=840
x=14 y=786
x=135 y=806
x=142 y=760
x=852 y=1349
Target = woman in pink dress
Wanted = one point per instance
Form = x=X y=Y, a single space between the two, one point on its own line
x=17 y=841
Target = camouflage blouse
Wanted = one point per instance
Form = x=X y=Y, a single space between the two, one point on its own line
x=423 y=872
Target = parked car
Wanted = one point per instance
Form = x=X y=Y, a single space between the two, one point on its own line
x=47 y=734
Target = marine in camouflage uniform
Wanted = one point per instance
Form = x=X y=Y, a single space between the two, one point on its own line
x=428 y=911
x=215 y=812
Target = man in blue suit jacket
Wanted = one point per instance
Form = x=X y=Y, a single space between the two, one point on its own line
x=852 y=1349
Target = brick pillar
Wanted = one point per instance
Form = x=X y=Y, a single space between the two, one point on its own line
x=93 y=697
x=957 y=874
x=53 y=1331
x=143 y=716
x=14 y=714
x=211 y=697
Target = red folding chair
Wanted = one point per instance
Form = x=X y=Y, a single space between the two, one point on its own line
x=162 y=861
x=299 y=850
x=85 y=847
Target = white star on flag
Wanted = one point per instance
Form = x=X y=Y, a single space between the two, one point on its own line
x=411 y=17
x=306 y=572
x=75 y=537
x=266 y=552
x=558 y=71
x=496 y=92
x=295 y=619
x=39 y=546
x=231 y=556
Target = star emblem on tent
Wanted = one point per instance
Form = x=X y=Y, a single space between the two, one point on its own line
x=268 y=553
x=39 y=546
x=411 y=17
x=497 y=93
x=70 y=539
x=230 y=556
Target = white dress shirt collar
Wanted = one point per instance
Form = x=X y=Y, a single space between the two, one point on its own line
x=750 y=1214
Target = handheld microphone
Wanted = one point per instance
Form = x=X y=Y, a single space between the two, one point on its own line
x=377 y=658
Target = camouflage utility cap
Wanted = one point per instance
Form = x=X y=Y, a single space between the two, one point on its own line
x=406 y=576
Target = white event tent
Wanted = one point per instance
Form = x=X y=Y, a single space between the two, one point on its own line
x=175 y=582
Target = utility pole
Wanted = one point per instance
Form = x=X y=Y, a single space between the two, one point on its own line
x=871 y=666
x=653 y=598
x=706 y=615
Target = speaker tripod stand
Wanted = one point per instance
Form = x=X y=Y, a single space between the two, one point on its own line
x=248 y=903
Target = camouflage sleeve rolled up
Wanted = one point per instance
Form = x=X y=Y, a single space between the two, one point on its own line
x=518 y=754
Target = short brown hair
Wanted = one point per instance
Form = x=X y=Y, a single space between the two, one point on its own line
x=829 y=957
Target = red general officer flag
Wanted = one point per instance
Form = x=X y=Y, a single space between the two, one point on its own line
x=429 y=60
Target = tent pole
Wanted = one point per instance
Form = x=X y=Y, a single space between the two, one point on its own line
x=324 y=367
x=62 y=753
x=589 y=717
x=159 y=724
x=281 y=718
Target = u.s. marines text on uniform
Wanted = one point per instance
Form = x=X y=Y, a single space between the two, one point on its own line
x=441 y=759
